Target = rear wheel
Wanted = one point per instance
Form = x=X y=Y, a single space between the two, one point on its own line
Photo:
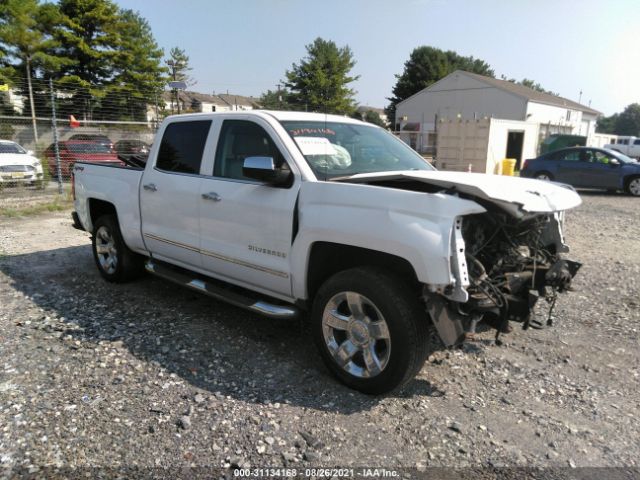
x=370 y=329
x=115 y=262
x=543 y=176
x=633 y=186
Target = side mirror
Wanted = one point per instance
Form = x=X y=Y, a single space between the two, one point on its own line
x=614 y=162
x=264 y=170
x=30 y=152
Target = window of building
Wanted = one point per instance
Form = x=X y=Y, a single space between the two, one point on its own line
x=182 y=146
x=568 y=115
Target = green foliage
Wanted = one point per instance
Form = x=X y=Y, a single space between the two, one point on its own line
x=607 y=124
x=178 y=63
x=274 y=100
x=628 y=122
x=88 y=33
x=320 y=82
x=104 y=59
x=532 y=84
x=427 y=65
x=372 y=116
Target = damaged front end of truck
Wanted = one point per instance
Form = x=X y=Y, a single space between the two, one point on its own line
x=504 y=258
x=503 y=266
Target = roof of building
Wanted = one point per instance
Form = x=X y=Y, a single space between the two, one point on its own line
x=530 y=93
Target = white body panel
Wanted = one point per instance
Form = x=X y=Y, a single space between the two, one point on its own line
x=116 y=185
x=260 y=237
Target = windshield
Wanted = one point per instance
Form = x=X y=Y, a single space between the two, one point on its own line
x=334 y=149
x=621 y=156
x=11 y=148
x=88 y=148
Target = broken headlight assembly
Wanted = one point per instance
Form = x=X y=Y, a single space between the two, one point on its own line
x=509 y=265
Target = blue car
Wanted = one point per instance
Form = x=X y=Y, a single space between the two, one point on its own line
x=586 y=167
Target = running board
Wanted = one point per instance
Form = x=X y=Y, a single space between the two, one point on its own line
x=217 y=290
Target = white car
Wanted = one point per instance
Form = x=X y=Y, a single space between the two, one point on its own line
x=18 y=165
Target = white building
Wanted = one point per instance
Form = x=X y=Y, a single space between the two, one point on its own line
x=523 y=113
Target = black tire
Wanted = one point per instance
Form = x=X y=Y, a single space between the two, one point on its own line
x=543 y=176
x=127 y=265
x=403 y=314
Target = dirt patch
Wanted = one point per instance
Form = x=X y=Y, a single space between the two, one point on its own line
x=150 y=375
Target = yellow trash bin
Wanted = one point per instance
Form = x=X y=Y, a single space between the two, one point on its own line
x=508 y=166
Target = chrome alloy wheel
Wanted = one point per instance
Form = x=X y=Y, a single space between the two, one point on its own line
x=634 y=187
x=106 y=250
x=356 y=334
x=543 y=176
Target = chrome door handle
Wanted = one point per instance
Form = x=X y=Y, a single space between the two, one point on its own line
x=150 y=186
x=211 y=196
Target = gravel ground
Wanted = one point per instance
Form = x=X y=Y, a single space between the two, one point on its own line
x=149 y=375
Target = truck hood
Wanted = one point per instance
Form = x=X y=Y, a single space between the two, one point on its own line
x=528 y=195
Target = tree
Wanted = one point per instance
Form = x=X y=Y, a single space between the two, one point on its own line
x=320 y=82
x=372 y=116
x=25 y=41
x=139 y=76
x=427 y=65
x=532 y=84
x=607 y=124
x=628 y=121
x=178 y=63
x=274 y=100
x=89 y=34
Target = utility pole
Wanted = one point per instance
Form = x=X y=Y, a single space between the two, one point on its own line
x=33 y=110
x=55 y=137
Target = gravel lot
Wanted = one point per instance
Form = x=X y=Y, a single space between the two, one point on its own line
x=150 y=375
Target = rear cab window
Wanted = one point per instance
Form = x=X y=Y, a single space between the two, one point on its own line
x=182 y=147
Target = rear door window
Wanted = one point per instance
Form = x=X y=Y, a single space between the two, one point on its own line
x=182 y=146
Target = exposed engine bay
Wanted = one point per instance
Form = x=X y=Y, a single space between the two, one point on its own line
x=511 y=264
x=505 y=259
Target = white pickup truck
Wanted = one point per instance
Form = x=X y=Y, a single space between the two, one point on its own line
x=629 y=146
x=289 y=213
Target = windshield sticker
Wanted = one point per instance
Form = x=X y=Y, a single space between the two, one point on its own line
x=315 y=146
x=311 y=131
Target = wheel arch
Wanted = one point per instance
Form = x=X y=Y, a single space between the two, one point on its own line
x=328 y=258
x=99 y=208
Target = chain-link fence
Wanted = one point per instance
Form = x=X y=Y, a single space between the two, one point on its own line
x=37 y=152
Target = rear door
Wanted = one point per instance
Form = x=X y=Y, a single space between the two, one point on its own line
x=170 y=193
x=247 y=226
x=569 y=167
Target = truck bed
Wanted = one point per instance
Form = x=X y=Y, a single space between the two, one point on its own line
x=116 y=184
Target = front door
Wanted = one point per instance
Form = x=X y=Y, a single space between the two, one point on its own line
x=169 y=195
x=246 y=227
x=601 y=170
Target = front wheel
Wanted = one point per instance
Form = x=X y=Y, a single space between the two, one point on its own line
x=115 y=262
x=633 y=187
x=370 y=329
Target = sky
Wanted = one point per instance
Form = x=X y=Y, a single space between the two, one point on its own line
x=568 y=46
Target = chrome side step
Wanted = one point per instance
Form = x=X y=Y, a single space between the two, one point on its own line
x=217 y=290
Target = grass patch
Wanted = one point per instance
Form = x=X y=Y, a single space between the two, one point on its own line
x=58 y=204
